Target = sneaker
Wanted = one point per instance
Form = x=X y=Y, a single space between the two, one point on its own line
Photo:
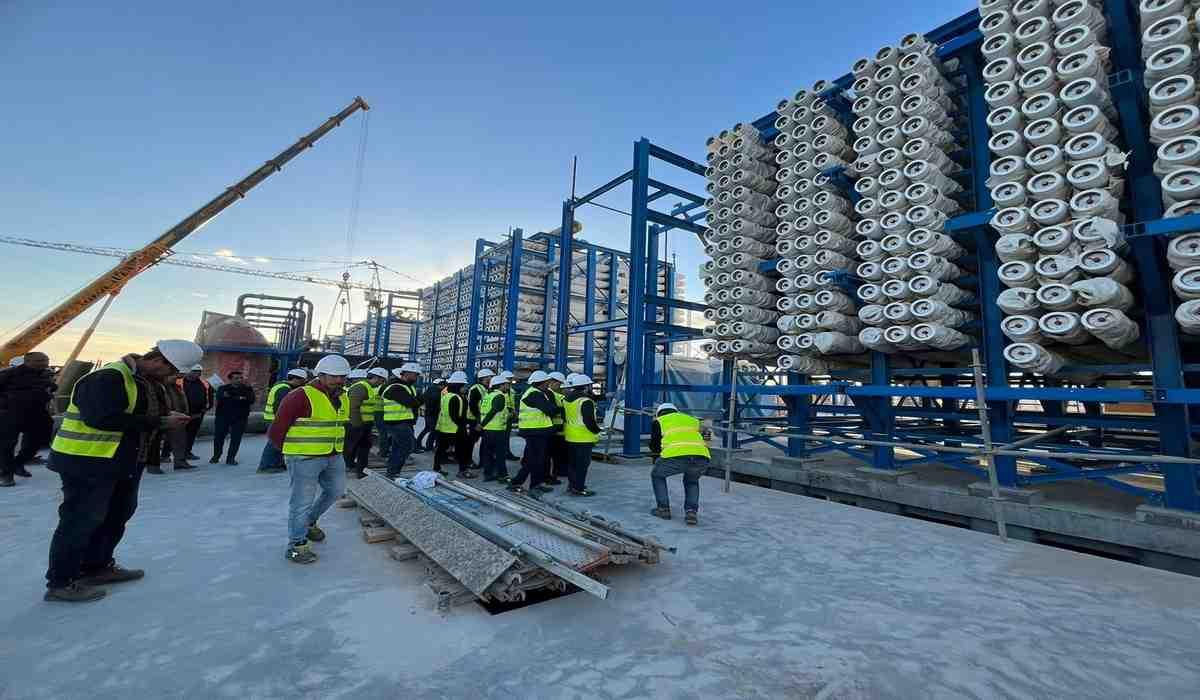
x=315 y=533
x=664 y=513
x=690 y=518
x=22 y=471
x=300 y=554
x=503 y=479
x=231 y=462
x=542 y=488
x=580 y=492
x=113 y=574
x=211 y=460
x=74 y=592
x=7 y=480
x=515 y=488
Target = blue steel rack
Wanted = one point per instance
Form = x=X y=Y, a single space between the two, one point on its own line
x=934 y=405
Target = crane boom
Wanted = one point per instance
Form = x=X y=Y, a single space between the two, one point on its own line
x=112 y=281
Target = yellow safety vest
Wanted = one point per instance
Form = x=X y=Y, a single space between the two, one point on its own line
x=681 y=436
x=321 y=433
x=475 y=389
x=575 y=430
x=394 y=411
x=531 y=418
x=511 y=400
x=370 y=405
x=269 y=409
x=78 y=438
x=446 y=424
x=558 y=419
x=500 y=421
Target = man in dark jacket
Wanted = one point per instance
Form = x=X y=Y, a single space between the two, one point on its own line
x=432 y=398
x=199 y=397
x=233 y=410
x=95 y=453
x=401 y=404
x=25 y=392
x=453 y=427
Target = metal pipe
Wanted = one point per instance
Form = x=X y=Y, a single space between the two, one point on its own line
x=985 y=430
x=733 y=376
x=485 y=497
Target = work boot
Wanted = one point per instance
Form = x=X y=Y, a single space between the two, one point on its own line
x=231 y=462
x=300 y=554
x=664 y=513
x=22 y=471
x=211 y=460
x=74 y=592
x=315 y=533
x=515 y=488
x=580 y=492
x=502 y=479
x=7 y=480
x=542 y=488
x=113 y=573
x=154 y=469
x=691 y=518
x=466 y=474
x=553 y=481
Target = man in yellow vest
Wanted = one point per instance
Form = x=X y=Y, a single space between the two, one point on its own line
x=581 y=430
x=475 y=394
x=95 y=453
x=556 y=451
x=512 y=415
x=271 y=461
x=401 y=404
x=453 y=426
x=365 y=403
x=310 y=430
x=493 y=426
x=678 y=448
x=535 y=421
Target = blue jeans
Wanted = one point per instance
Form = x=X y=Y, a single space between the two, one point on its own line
x=400 y=433
x=271 y=458
x=691 y=468
x=329 y=472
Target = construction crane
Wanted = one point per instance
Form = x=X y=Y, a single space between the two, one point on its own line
x=110 y=283
x=172 y=258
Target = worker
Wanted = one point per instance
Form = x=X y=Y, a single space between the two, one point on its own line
x=493 y=426
x=171 y=443
x=678 y=448
x=95 y=455
x=581 y=430
x=512 y=414
x=309 y=429
x=26 y=390
x=199 y=395
x=556 y=451
x=431 y=398
x=233 y=401
x=271 y=461
x=401 y=404
x=535 y=423
x=475 y=395
x=453 y=427
x=363 y=396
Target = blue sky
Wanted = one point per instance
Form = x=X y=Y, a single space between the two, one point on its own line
x=121 y=120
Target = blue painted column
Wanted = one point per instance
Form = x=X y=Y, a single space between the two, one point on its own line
x=798 y=409
x=589 y=313
x=610 y=359
x=565 y=258
x=477 y=278
x=635 y=340
x=514 y=294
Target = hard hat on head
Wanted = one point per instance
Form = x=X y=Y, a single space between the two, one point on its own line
x=354 y=373
x=298 y=373
x=578 y=380
x=538 y=377
x=197 y=368
x=485 y=372
x=458 y=377
x=411 y=367
x=182 y=354
x=334 y=365
x=557 y=376
x=499 y=380
x=439 y=380
x=507 y=373
x=378 y=372
x=665 y=407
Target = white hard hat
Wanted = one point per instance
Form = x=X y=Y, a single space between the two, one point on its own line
x=180 y=353
x=665 y=407
x=507 y=373
x=498 y=380
x=458 y=377
x=578 y=380
x=379 y=372
x=410 y=367
x=354 y=373
x=439 y=380
x=334 y=365
x=298 y=373
x=17 y=361
x=197 y=368
x=485 y=372
x=558 y=376
x=538 y=377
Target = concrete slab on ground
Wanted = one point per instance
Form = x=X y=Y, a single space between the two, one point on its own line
x=773 y=595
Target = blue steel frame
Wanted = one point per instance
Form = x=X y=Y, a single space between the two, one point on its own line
x=884 y=402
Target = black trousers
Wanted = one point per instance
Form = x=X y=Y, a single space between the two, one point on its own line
x=358 y=448
x=492 y=449
x=579 y=458
x=533 y=462
x=428 y=435
x=193 y=429
x=91 y=523
x=33 y=431
x=556 y=456
x=461 y=442
x=232 y=427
